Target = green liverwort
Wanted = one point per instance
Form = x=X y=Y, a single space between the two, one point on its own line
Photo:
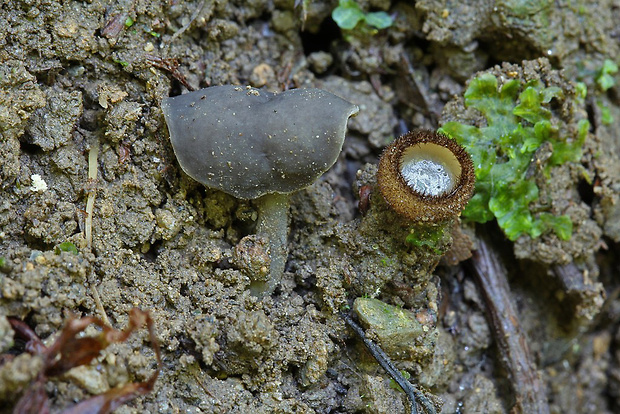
x=518 y=123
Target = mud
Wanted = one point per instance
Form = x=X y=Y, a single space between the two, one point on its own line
x=82 y=75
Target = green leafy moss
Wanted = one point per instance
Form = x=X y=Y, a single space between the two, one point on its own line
x=519 y=121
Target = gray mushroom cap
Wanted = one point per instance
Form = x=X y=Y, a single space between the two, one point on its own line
x=248 y=142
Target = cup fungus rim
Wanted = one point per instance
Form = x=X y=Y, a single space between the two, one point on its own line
x=412 y=204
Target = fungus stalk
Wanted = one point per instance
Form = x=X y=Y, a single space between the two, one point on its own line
x=273 y=223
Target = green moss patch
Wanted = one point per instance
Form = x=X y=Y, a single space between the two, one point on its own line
x=518 y=123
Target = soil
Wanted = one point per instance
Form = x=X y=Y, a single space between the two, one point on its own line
x=84 y=76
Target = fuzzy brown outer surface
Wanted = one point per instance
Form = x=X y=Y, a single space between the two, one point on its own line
x=411 y=204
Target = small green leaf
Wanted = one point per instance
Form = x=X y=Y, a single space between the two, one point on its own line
x=496 y=106
x=347 y=15
x=394 y=385
x=581 y=89
x=516 y=223
x=529 y=107
x=66 y=247
x=129 y=22
x=481 y=90
x=561 y=225
x=551 y=92
x=582 y=127
x=508 y=198
x=542 y=132
x=609 y=66
x=478 y=208
x=605 y=80
x=379 y=20
x=468 y=136
x=606 y=117
x=564 y=151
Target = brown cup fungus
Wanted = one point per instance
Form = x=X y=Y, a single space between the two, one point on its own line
x=426 y=177
x=258 y=145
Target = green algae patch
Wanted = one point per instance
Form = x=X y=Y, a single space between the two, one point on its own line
x=437 y=239
x=521 y=135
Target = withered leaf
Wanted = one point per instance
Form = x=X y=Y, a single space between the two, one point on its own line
x=69 y=351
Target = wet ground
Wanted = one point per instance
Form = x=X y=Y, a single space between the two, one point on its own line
x=80 y=90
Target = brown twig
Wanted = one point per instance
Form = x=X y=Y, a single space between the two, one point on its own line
x=511 y=340
x=586 y=296
x=413 y=91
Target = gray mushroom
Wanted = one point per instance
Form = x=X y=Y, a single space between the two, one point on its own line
x=258 y=145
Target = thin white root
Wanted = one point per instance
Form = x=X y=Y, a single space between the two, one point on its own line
x=88 y=225
x=92 y=193
x=187 y=25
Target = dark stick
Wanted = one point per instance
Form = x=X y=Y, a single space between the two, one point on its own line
x=387 y=365
x=587 y=297
x=512 y=343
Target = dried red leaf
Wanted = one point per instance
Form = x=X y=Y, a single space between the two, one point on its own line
x=69 y=351
x=73 y=351
x=111 y=400
x=114 y=398
x=171 y=66
x=34 y=400
x=34 y=345
x=114 y=25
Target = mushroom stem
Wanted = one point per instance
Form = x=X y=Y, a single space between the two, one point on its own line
x=273 y=224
